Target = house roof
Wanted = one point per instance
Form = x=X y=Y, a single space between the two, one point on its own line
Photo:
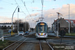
x=70 y=20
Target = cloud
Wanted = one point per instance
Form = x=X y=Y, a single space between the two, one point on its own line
x=34 y=7
x=48 y=0
x=32 y=15
x=49 y=15
x=35 y=14
x=0 y=0
x=6 y=19
x=64 y=10
x=44 y=6
x=1 y=7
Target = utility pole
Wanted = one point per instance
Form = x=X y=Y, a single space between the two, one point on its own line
x=42 y=1
x=69 y=19
x=18 y=20
x=57 y=24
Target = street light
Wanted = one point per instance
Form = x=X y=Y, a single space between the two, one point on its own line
x=69 y=18
x=18 y=20
x=12 y=21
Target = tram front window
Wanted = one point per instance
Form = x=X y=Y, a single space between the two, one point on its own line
x=42 y=28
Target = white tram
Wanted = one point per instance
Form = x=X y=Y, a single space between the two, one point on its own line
x=41 y=30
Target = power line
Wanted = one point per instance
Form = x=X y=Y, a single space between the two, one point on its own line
x=25 y=7
x=8 y=2
x=32 y=1
x=42 y=9
x=20 y=7
x=42 y=6
x=16 y=3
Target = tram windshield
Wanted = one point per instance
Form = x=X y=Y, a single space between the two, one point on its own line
x=41 y=28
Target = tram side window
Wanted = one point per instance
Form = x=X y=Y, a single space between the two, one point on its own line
x=37 y=29
x=45 y=28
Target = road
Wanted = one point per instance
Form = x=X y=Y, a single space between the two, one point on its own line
x=31 y=40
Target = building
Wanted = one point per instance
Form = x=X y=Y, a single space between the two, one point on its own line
x=62 y=23
x=24 y=26
x=6 y=27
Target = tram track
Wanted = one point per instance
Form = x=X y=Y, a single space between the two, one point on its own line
x=14 y=45
x=45 y=46
x=20 y=44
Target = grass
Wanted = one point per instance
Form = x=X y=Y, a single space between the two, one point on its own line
x=5 y=43
x=70 y=34
x=6 y=33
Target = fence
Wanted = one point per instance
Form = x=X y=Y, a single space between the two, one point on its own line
x=1 y=35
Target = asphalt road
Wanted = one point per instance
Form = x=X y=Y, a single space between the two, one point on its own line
x=67 y=41
x=31 y=39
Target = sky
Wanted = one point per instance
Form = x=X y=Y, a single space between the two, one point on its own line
x=30 y=10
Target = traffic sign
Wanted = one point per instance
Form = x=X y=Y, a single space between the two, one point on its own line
x=62 y=33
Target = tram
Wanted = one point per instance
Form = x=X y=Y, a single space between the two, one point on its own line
x=41 y=30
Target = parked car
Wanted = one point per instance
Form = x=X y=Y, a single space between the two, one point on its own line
x=21 y=33
x=27 y=32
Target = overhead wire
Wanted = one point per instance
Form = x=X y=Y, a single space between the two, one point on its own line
x=25 y=7
x=31 y=5
x=42 y=9
x=42 y=6
x=16 y=3
x=20 y=7
x=32 y=1
x=8 y=2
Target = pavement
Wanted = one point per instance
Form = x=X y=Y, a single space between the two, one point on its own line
x=9 y=35
x=15 y=36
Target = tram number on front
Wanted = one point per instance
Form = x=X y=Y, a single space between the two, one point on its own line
x=41 y=33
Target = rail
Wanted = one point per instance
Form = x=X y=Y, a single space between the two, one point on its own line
x=12 y=44
x=41 y=47
x=20 y=44
x=49 y=45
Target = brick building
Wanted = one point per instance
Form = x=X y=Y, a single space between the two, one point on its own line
x=62 y=23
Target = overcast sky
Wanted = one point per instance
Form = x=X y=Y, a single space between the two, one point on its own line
x=30 y=10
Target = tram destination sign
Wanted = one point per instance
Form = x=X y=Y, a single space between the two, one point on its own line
x=1 y=33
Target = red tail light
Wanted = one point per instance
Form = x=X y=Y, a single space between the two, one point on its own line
x=39 y=34
x=44 y=34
